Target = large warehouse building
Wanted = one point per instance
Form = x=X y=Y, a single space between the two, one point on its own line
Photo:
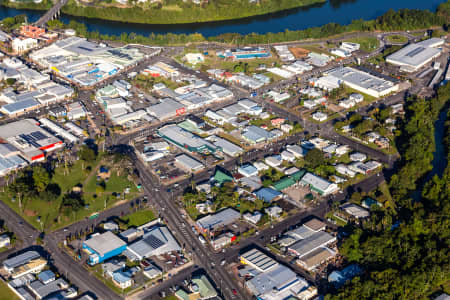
x=184 y=139
x=414 y=56
x=218 y=220
x=363 y=82
x=103 y=246
x=29 y=139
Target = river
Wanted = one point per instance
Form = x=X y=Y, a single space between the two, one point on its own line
x=439 y=155
x=337 y=11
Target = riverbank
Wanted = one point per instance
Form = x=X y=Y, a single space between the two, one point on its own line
x=402 y=20
x=28 y=5
x=178 y=13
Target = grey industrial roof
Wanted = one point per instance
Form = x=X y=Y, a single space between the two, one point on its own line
x=355 y=210
x=432 y=42
x=104 y=243
x=318 y=239
x=7 y=149
x=235 y=109
x=43 y=290
x=20 y=106
x=184 y=137
x=301 y=232
x=255 y=133
x=316 y=181
x=253 y=183
x=156 y=241
x=361 y=79
x=277 y=279
x=259 y=259
x=46 y=275
x=129 y=232
x=25 y=294
x=166 y=108
x=189 y=162
x=81 y=46
x=21 y=259
x=221 y=218
x=413 y=55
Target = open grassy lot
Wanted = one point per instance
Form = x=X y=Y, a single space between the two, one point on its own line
x=45 y=215
x=6 y=293
x=214 y=62
x=397 y=39
x=368 y=44
x=139 y=218
x=317 y=48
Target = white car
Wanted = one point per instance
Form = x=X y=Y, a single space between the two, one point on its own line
x=202 y=239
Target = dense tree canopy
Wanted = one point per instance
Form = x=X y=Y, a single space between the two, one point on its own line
x=411 y=260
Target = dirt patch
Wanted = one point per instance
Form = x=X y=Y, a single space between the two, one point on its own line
x=30 y=213
x=297 y=192
x=299 y=52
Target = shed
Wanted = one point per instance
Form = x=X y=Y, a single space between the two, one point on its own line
x=267 y=194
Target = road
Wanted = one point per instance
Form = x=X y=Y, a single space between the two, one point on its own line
x=202 y=256
x=164 y=203
x=75 y=272
x=25 y=233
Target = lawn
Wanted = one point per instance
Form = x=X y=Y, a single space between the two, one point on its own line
x=368 y=44
x=139 y=218
x=78 y=174
x=6 y=293
x=317 y=48
x=338 y=221
x=98 y=272
x=214 y=62
x=397 y=38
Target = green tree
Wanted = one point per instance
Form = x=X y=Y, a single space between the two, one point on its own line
x=41 y=178
x=87 y=154
x=314 y=158
x=72 y=202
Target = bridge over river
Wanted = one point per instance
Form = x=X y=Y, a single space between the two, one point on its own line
x=52 y=13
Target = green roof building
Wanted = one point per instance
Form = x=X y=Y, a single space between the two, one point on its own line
x=182 y=295
x=221 y=177
x=288 y=181
x=205 y=287
x=297 y=176
x=283 y=183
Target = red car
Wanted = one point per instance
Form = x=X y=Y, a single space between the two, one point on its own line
x=234 y=291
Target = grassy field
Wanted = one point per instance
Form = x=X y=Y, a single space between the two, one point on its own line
x=51 y=217
x=214 y=62
x=317 y=48
x=368 y=44
x=6 y=293
x=139 y=218
x=397 y=39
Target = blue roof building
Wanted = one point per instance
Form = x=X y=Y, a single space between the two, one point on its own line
x=122 y=279
x=46 y=276
x=267 y=194
x=339 y=278
x=248 y=170
x=104 y=246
